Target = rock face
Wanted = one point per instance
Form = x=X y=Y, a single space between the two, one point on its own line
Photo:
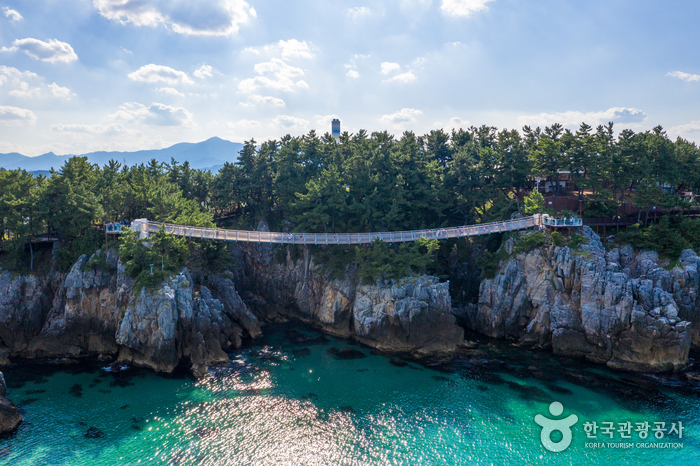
x=95 y=310
x=10 y=418
x=175 y=324
x=86 y=310
x=24 y=304
x=411 y=315
x=619 y=308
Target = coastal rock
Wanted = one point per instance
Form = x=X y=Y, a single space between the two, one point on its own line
x=615 y=308
x=94 y=310
x=411 y=315
x=86 y=310
x=25 y=302
x=10 y=417
x=176 y=324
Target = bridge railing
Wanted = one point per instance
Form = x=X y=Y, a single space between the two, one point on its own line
x=146 y=226
x=561 y=222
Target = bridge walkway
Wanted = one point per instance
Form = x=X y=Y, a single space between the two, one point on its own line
x=247 y=236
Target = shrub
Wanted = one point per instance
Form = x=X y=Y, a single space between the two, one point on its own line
x=531 y=241
x=660 y=237
x=489 y=262
x=558 y=239
x=167 y=253
x=576 y=240
x=534 y=204
x=382 y=261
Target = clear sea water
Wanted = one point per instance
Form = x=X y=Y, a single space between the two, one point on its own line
x=288 y=400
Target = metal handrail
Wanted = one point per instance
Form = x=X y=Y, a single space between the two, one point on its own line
x=346 y=238
x=559 y=222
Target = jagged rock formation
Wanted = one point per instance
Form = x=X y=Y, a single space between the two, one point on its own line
x=24 y=304
x=619 y=308
x=10 y=418
x=95 y=310
x=411 y=315
x=173 y=323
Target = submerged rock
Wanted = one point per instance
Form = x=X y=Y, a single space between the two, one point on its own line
x=346 y=353
x=94 y=433
x=398 y=362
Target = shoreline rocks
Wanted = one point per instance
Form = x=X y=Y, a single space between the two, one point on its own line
x=95 y=311
x=618 y=307
x=10 y=417
x=412 y=315
x=615 y=308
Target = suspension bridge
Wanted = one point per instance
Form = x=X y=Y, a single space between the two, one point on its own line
x=146 y=227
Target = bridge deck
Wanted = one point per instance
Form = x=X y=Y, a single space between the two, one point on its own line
x=146 y=226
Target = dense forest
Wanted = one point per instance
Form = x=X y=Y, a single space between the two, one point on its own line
x=360 y=182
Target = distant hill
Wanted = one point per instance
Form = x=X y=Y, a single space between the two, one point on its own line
x=207 y=155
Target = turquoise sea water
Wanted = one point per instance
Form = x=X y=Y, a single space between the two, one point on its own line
x=289 y=400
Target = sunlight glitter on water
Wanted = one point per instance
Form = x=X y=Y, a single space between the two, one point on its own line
x=274 y=404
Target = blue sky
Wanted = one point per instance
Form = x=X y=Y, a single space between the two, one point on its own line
x=84 y=75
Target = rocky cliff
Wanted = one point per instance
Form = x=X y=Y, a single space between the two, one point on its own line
x=10 y=417
x=616 y=307
x=95 y=310
x=412 y=315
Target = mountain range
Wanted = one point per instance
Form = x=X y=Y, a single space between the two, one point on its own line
x=206 y=155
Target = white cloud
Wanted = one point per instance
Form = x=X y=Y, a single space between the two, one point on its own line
x=406 y=115
x=53 y=51
x=420 y=61
x=463 y=8
x=359 y=12
x=244 y=125
x=352 y=74
x=275 y=74
x=14 y=116
x=245 y=130
x=24 y=90
x=203 y=72
x=455 y=123
x=292 y=48
x=323 y=122
x=402 y=78
x=170 y=91
x=689 y=131
x=210 y=18
x=388 y=67
x=156 y=114
x=106 y=130
x=684 y=76
x=255 y=100
x=458 y=122
x=12 y=15
x=28 y=84
x=158 y=73
x=615 y=114
x=290 y=124
x=285 y=49
x=60 y=92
